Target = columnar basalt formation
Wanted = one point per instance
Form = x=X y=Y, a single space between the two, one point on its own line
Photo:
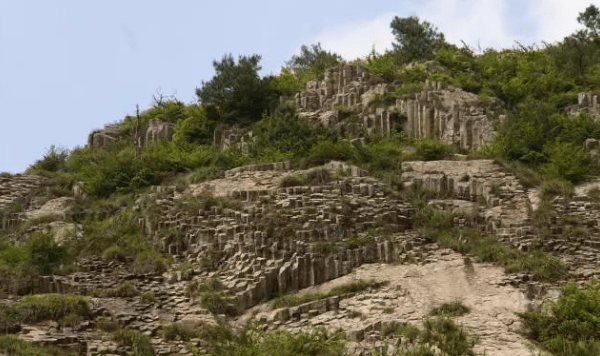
x=157 y=131
x=347 y=89
x=105 y=137
x=234 y=138
x=447 y=113
x=587 y=103
x=13 y=190
x=276 y=240
x=505 y=210
x=438 y=111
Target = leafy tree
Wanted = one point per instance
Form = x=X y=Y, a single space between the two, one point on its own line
x=313 y=60
x=285 y=131
x=415 y=39
x=236 y=94
x=590 y=18
x=194 y=127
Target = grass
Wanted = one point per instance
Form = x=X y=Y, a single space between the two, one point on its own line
x=570 y=326
x=542 y=266
x=556 y=187
x=439 y=333
x=290 y=300
x=138 y=342
x=220 y=340
x=148 y=298
x=13 y=346
x=213 y=296
x=67 y=309
x=124 y=290
x=34 y=308
x=455 y=308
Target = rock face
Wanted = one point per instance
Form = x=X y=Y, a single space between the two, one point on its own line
x=158 y=130
x=438 y=111
x=343 y=90
x=447 y=113
x=504 y=204
x=104 y=138
x=234 y=138
x=13 y=189
x=586 y=103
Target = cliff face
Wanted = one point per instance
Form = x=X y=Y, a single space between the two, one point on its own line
x=438 y=111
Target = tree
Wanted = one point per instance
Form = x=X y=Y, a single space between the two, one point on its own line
x=590 y=18
x=314 y=60
x=237 y=94
x=415 y=39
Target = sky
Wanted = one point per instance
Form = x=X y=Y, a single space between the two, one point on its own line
x=69 y=67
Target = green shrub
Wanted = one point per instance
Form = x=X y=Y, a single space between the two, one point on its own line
x=556 y=187
x=149 y=261
x=148 y=298
x=570 y=325
x=53 y=161
x=542 y=266
x=432 y=150
x=39 y=307
x=291 y=180
x=325 y=150
x=139 y=343
x=46 y=254
x=566 y=161
x=448 y=337
x=13 y=346
x=290 y=300
x=455 y=308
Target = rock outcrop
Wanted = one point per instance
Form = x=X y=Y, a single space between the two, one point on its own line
x=157 y=131
x=105 y=137
x=447 y=113
x=438 y=111
x=234 y=138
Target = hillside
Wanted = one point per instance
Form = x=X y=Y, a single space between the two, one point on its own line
x=426 y=201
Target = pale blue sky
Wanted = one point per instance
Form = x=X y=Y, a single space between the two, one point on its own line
x=69 y=67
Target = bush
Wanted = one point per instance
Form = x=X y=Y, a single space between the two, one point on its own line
x=139 y=343
x=556 y=187
x=566 y=161
x=13 y=346
x=53 y=161
x=34 y=308
x=149 y=261
x=431 y=150
x=46 y=254
x=290 y=300
x=455 y=308
x=542 y=266
x=325 y=150
x=570 y=325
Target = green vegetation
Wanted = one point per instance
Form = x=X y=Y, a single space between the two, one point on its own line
x=569 y=326
x=13 y=346
x=455 y=308
x=64 y=308
x=542 y=266
x=290 y=300
x=441 y=333
x=124 y=290
x=212 y=295
x=138 y=342
x=220 y=340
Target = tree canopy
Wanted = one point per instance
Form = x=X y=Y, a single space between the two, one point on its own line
x=313 y=59
x=237 y=94
x=415 y=39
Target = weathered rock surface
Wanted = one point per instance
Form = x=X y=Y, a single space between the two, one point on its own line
x=438 y=111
